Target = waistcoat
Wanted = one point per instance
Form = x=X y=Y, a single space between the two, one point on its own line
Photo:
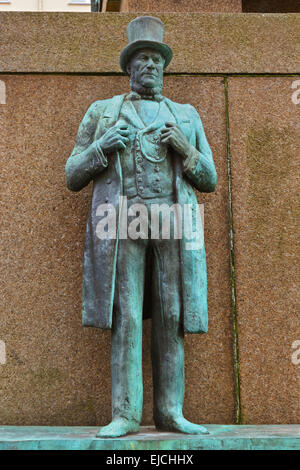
x=146 y=163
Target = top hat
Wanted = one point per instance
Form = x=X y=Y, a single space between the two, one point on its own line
x=145 y=32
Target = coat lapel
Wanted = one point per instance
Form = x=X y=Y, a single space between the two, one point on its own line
x=129 y=111
x=112 y=110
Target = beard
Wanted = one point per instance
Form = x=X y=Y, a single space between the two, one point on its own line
x=144 y=90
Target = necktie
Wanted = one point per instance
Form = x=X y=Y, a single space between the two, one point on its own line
x=133 y=96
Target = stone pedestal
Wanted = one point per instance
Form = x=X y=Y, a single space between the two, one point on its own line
x=221 y=437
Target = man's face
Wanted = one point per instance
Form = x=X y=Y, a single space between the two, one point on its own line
x=146 y=68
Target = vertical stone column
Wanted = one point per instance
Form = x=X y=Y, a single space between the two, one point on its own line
x=264 y=144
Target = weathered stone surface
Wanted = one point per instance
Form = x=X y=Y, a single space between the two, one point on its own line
x=57 y=372
x=205 y=6
x=202 y=43
x=213 y=348
x=264 y=133
x=220 y=437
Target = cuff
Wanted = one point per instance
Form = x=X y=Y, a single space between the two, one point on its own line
x=192 y=161
x=99 y=160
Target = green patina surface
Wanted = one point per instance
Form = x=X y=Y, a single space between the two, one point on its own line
x=221 y=437
x=151 y=150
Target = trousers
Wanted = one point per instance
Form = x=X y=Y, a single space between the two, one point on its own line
x=167 y=338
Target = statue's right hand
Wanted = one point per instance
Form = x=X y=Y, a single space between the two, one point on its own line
x=115 y=138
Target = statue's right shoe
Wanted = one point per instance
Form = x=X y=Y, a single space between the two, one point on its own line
x=118 y=427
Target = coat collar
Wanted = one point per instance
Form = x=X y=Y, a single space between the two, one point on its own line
x=113 y=109
x=133 y=116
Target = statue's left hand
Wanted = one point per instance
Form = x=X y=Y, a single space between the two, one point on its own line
x=172 y=135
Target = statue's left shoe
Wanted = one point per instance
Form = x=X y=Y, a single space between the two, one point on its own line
x=179 y=424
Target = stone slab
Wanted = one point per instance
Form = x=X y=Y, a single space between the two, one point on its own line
x=202 y=43
x=57 y=372
x=221 y=437
x=265 y=158
x=204 y=6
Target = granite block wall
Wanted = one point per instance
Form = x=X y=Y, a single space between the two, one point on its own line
x=240 y=72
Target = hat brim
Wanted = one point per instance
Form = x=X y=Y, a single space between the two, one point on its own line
x=133 y=47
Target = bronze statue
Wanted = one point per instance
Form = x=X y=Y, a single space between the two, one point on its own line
x=144 y=149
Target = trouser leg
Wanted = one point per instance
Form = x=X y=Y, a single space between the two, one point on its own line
x=126 y=347
x=167 y=333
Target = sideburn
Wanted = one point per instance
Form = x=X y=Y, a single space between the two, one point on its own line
x=142 y=90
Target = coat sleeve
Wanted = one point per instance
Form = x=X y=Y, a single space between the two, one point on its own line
x=199 y=165
x=87 y=158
